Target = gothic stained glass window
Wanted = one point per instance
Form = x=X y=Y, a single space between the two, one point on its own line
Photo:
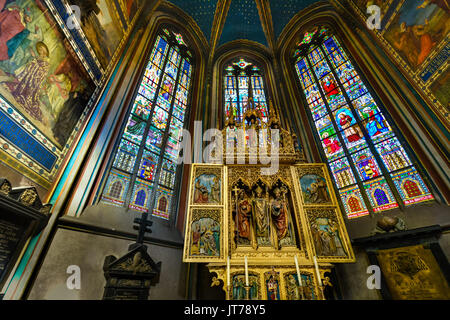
x=243 y=81
x=145 y=163
x=371 y=168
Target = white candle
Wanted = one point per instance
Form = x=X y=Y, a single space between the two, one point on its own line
x=299 y=275
x=246 y=271
x=228 y=271
x=317 y=271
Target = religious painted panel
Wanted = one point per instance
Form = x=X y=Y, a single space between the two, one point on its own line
x=441 y=88
x=238 y=286
x=315 y=185
x=272 y=285
x=296 y=292
x=412 y=273
x=204 y=235
x=415 y=34
x=329 y=235
x=207 y=186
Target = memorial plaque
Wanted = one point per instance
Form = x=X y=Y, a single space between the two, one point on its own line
x=130 y=277
x=22 y=215
x=11 y=239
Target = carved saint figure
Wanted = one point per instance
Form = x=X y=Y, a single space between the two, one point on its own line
x=261 y=216
x=244 y=213
x=293 y=288
x=215 y=191
x=279 y=208
x=308 y=289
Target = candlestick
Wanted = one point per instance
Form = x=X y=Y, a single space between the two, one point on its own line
x=246 y=272
x=228 y=272
x=317 y=271
x=299 y=275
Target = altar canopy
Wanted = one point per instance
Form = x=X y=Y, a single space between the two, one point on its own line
x=262 y=231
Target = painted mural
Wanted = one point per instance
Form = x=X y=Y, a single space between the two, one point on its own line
x=39 y=74
x=239 y=291
x=295 y=291
x=101 y=26
x=414 y=33
x=131 y=7
x=418 y=28
x=441 y=89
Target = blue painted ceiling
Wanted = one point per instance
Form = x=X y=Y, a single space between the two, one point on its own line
x=202 y=11
x=284 y=10
x=242 y=21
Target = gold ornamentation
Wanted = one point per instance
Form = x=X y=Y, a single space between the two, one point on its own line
x=215 y=282
x=5 y=188
x=242 y=186
x=135 y=264
x=28 y=197
x=207 y=216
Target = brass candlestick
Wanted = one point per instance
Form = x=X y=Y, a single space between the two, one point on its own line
x=247 y=292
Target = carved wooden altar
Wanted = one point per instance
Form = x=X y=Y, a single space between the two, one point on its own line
x=276 y=222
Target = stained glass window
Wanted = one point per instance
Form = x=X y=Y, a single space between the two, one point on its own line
x=144 y=169
x=371 y=168
x=244 y=81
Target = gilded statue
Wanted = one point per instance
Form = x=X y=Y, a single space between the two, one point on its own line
x=279 y=208
x=261 y=216
x=243 y=217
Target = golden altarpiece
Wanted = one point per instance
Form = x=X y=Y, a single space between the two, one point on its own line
x=259 y=226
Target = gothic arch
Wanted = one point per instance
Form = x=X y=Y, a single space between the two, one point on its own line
x=233 y=50
x=149 y=28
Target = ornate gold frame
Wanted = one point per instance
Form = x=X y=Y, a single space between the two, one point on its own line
x=198 y=211
x=331 y=210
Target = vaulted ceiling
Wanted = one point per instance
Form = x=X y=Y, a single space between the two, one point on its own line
x=222 y=21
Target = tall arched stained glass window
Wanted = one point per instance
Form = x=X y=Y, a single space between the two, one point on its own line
x=371 y=168
x=243 y=81
x=145 y=162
